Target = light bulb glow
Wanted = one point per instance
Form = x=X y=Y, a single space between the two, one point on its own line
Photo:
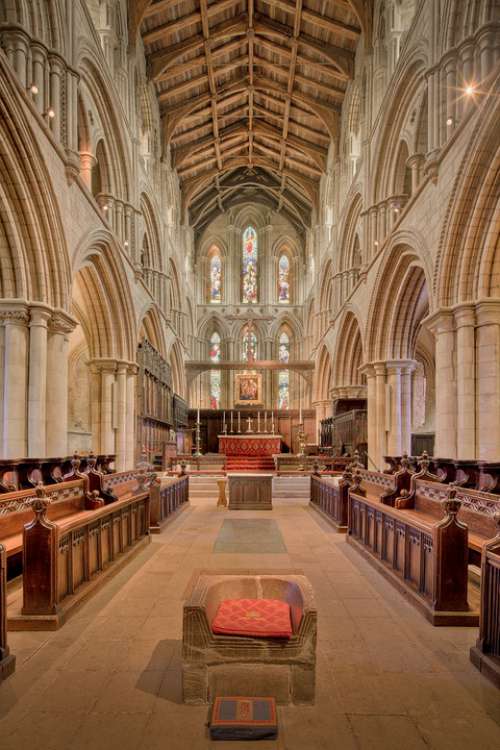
x=469 y=90
x=51 y=113
x=34 y=89
x=449 y=121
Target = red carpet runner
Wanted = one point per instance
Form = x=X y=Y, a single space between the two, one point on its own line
x=249 y=463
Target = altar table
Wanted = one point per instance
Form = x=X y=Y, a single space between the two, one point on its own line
x=249 y=445
x=250 y=491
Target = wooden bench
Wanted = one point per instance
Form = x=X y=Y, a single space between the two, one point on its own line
x=485 y=655
x=25 y=473
x=7 y=660
x=167 y=495
x=477 y=509
x=479 y=475
x=66 y=559
x=68 y=500
x=426 y=560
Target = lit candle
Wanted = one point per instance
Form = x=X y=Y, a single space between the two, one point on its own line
x=231 y=421
x=258 y=421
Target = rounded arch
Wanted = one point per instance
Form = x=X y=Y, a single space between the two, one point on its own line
x=101 y=298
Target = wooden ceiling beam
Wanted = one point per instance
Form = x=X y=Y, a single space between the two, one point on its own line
x=341 y=58
x=324 y=22
x=181 y=88
x=339 y=94
x=182 y=153
x=162 y=59
x=282 y=51
x=159 y=33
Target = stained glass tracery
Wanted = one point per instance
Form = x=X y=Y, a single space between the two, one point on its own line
x=216 y=278
x=284 y=279
x=284 y=375
x=249 y=344
x=215 y=355
x=249 y=266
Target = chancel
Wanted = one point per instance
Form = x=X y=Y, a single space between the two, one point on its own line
x=249 y=374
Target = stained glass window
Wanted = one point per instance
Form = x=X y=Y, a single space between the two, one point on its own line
x=284 y=279
x=215 y=355
x=216 y=278
x=283 y=389
x=284 y=348
x=249 y=266
x=249 y=344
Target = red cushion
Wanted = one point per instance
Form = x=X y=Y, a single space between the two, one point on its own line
x=259 y=618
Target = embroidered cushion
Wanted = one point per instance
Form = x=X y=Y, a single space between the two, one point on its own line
x=258 y=618
x=244 y=719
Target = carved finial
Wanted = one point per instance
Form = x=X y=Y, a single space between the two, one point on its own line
x=75 y=462
x=405 y=461
x=451 y=504
x=183 y=466
x=316 y=467
x=496 y=518
x=356 y=479
x=41 y=503
x=423 y=462
x=91 y=461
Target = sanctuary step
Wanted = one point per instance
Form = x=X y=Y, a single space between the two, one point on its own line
x=204 y=486
x=292 y=487
x=249 y=463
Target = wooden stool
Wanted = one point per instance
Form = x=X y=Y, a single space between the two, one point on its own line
x=222 y=501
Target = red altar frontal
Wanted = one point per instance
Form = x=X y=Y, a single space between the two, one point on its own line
x=249 y=445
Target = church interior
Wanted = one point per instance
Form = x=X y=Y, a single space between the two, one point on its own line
x=249 y=374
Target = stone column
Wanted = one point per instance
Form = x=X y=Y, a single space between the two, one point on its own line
x=38 y=60
x=87 y=161
x=15 y=320
x=107 y=372
x=380 y=413
x=95 y=406
x=442 y=326
x=37 y=381
x=121 y=417
x=56 y=74
x=57 y=384
x=371 y=405
x=466 y=381
x=488 y=379
x=394 y=438
x=406 y=405
x=130 y=442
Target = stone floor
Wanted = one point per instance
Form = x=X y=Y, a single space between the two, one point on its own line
x=110 y=678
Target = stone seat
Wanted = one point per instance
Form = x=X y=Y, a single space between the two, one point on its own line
x=215 y=665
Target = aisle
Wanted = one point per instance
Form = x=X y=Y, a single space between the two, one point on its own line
x=110 y=678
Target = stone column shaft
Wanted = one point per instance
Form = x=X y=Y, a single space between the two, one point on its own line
x=15 y=385
x=37 y=383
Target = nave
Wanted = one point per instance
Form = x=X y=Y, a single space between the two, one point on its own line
x=111 y=677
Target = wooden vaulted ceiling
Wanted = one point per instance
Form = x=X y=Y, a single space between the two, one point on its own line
x=249 y=92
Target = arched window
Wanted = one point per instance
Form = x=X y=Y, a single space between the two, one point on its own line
x=284 y=375
x=249 y=344
x=215 y=276
x=249 y=266
x=284 y=279
x=215 y=355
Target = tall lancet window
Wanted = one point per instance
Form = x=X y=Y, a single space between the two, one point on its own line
x=249 y=266
x=215 y=276
x=284 y=279
x=215 y=355
x=249 y=344
x=284 y=375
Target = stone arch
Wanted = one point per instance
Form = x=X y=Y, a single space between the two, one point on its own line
x=407 y=93
x=176 y=361
x=34 y=263
x=349 y=356
x=401 y=179
x=101 y=298
x=286 y=247
x=466 y=267
x=323 y=375
x=43 y=20
x=95 y=88
x=349 y=232
x=151 y=327
x=399 y=304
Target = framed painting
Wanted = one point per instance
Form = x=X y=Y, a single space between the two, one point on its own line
x=248 y=389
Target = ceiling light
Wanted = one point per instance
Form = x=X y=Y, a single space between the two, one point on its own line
x=449 y=121
x=50 y=113
x=33 y=89
x=469 y=90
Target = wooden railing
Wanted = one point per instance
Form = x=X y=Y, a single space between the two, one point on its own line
x=166 y=496
x=485 y=655
x=7 y=660
x=330 y=496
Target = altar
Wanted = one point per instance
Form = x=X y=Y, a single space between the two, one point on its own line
x=250 y=444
